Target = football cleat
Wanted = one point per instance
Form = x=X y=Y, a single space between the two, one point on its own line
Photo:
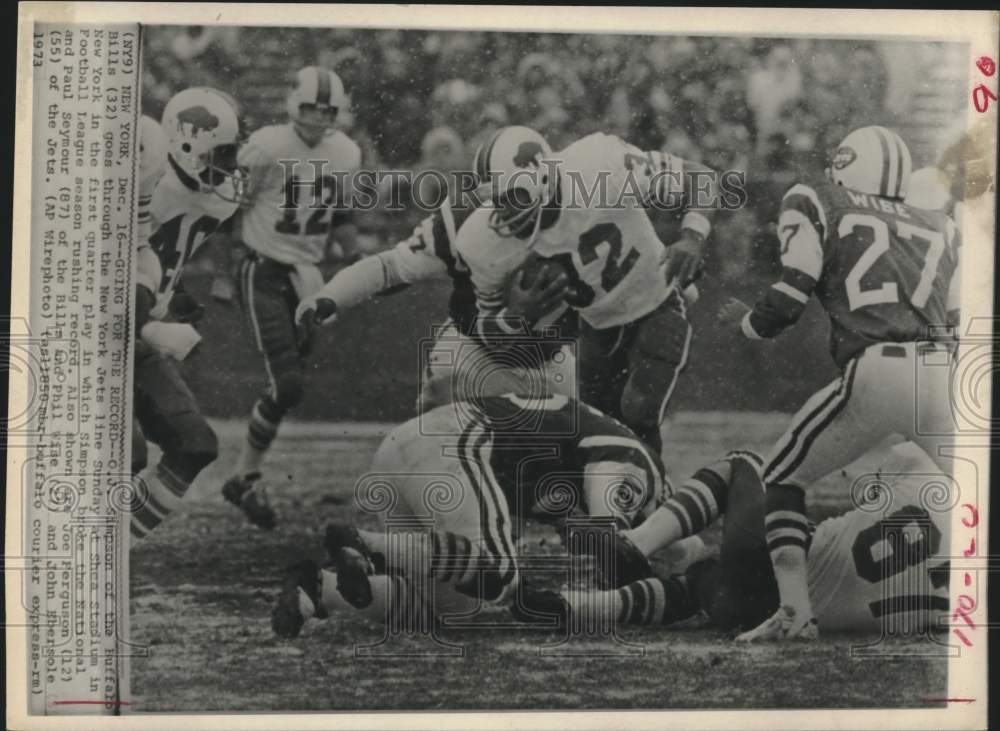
x=247 y=493
x=628 y=564
x=786 y=624
x=299 y=599
x=353 y=570
x=531 y=603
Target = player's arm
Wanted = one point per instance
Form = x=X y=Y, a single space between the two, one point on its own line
x=801 y=229
x=666 y=181
x=343 y=226
x=258 y=164
x=420 y=257
x=954 y=301
x=528 y=305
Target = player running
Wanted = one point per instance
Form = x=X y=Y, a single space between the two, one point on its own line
x=880 y=567
x=586 y=208
x=478 y=471
x=458 y=366
x=883 y=271
x=287 y=223
x=189 y=185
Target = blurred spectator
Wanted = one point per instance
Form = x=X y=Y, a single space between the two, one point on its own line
x=772 y=87
x=426 y=99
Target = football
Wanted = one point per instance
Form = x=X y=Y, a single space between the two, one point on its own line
x=540 y=269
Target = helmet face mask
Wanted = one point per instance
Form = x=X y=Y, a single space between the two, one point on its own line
x=515 y=214
x=314 y=102
x=221 y=167
x=516 y=163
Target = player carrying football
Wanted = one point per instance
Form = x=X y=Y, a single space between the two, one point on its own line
x=456 y=362
x=287 y=225
x=479 y=473
x=883 y=271
x=586 y=208
x=189 y=185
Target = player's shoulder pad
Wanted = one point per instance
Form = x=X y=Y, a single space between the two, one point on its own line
x=594 y=152
x=264 y=146
x=810 y=200
x=344 y=152
x=475 y=238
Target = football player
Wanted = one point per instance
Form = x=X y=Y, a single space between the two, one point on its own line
x=586 y=208
x=457 y=361
x=883 y=271
x=287 y=224
x=879 y=567
x=479 y=470
x=189 y=185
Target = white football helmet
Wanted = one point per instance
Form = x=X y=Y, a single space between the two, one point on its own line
x=319 y=88
x=873 y=160
x=203 y=137
x=517 y=164
x=152 y=149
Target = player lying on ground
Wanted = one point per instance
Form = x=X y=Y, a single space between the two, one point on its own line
x=586 y=208
x=189 y=185
x=291 y=215
x=875 y=568
x=501 y=460
x=884 y=272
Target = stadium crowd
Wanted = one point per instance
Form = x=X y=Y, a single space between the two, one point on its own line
x=424 y=100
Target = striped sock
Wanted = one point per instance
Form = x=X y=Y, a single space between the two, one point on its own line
x=787 y=534
x=655 y=602
x=699 y=501
x=264 y=422
x=157 y=491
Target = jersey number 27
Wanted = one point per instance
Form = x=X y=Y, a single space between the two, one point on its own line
x=877 y=231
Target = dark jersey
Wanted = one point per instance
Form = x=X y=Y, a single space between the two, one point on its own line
x=881 y=269
x=542 y=448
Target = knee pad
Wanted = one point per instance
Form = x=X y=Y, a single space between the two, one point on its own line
x=196 y=449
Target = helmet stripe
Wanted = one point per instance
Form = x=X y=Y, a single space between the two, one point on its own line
x=483 y=163
x=884 y=180
x=901 y=154
x=322 y=87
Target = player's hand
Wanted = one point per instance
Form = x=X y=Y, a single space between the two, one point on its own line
x=311 y=314
x=536 y=299
x=732 y=312
x=684 y=259
x=185 y=308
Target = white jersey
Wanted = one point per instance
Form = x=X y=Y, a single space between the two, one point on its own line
x=881 y=569
x=603 y=234
x=182 y=216
x=293 y=203
x=610 y=242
